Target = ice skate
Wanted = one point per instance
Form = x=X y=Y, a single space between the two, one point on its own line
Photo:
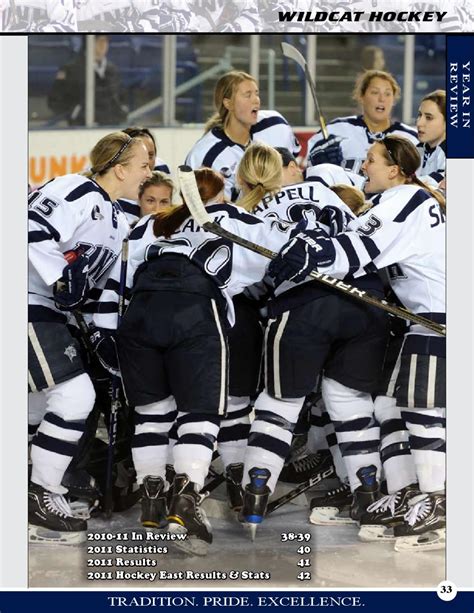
x=233 y=479
x=153 y=501
x=50 y=519
x=187 y=518
x=381 y=517
x=255 y=500
x=83 y=495
x=424 y=528
x=332 y=508
x=302 y=468
x=367 y=493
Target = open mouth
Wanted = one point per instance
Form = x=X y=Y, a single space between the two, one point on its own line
x=380 y=109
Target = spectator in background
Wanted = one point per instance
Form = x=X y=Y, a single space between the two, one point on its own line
x=67 y=96
x=372 y=58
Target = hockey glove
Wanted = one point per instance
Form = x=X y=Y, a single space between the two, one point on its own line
x=303 y=253
x=327 y=151
x=333 y=218
x=70 y=291
x=103 y=346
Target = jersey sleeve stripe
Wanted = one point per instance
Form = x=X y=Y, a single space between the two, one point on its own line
x=38 y=236
x=370 y=246
x=34 y=216
x=437 y=176
x=351 y=254
x=412 y=205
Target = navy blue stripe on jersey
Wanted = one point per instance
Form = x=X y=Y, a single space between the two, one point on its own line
x=234 y=213
x=351 y=253
x=370 y=246
x=138 y=231
x=129 y=207
x=38 y=236
x=34 y=216
x=163 y=168
x=437 y=176
x=376 y=199
x=352 y=119
x=316 y=180
x=78 y=426
x=268 y=122
x=411 y=206
x=396 y=125
x=55 y=445
x=420 y=344
x=214 y=152
x=443 y=146
x=86 y=188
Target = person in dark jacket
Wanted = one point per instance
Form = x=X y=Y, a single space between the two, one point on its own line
x=68 y=93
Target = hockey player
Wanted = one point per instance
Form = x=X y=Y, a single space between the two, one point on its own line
x=173 y=348
x=350 y=137
x=298 y=346
x=237 y=122
x=133 y=209
x=431 y=126
x=404 y=231
x=79 y=214
x=41 y=16
x=148 y=139
x=224 y=16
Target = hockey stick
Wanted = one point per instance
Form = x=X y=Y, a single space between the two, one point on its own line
x=116 y=387
x=293 y=54
x=279 y=502
x=198 y=211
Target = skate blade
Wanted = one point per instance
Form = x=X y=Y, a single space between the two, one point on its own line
x=429 y=541
x=190 y=545
x=371 y=534
x=39 y=534
x=82 y=509
x=329 y=516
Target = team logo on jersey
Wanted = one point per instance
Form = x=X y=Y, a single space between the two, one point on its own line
x=70 y=352
x=226 y=172
x=96 y=214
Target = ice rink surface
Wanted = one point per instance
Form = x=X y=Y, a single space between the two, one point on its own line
x=338 y=559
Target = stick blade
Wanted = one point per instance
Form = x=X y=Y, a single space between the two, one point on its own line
x=189 y=189
x=293 y=54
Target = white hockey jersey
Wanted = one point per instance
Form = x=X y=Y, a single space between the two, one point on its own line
x=330 y=174
x=69 y=213
x=433 y=163
x=215 y=150
x=404 y=232
x=41 y=16
x=357 y=138
x=231 y=267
